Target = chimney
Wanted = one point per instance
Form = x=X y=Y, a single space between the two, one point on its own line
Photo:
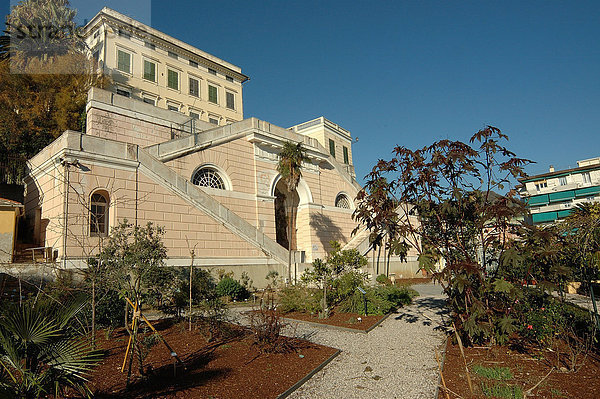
x=551 y=168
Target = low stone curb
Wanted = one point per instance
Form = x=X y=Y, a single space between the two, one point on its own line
x=339 y=328
x=307 y=377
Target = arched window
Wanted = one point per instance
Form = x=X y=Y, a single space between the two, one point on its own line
x=342 y=201
x=99 y=214
x=208 y=177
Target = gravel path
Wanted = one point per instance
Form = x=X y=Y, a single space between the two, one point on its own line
x=395 y=360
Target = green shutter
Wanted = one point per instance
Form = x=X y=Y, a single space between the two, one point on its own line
x=212 y=94
x=230 y=100
x=172 y=79
x=561 y=196
x=123 y=61
x=332 y=147
x=149 y=71
x=346 y=158
x=565 y=213
x=584 y=192
x=538 y=200
x=544 y=217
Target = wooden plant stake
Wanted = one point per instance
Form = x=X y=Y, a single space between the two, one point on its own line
x=164 y=341
x=437 y=357
x=462 y=352
x=129 y=343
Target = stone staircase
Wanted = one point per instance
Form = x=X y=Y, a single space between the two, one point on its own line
x=171 y=180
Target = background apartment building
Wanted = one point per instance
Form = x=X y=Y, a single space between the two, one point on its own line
x=148 y=65
x=553 y=195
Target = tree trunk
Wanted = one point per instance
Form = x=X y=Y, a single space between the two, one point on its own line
x=290 y=209
x=190 y=307
x=94 y=312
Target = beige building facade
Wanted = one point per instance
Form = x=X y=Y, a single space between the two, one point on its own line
x=215 y=191
x=148 y=65
x=168 y=144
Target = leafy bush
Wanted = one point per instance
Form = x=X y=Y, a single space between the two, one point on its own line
x=348 y=282
x=110 y=309
x=380 y=300
x=300 y=299
x=382 y=279
x=231 y=288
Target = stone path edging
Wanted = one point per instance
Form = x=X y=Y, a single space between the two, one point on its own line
x=308 y=376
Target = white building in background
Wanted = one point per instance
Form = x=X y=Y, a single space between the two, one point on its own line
x=552 y=196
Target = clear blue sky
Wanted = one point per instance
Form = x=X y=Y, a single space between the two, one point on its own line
x=408 y=72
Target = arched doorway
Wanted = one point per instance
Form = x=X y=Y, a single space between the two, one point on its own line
x=286 y=209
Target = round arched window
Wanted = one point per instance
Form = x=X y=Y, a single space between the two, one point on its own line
x=208 y=177
x=342 y=201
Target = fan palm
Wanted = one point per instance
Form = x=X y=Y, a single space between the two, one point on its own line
x=290 y=167
x=41 y=353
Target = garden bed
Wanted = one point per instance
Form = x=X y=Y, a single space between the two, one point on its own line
x=339 y=319
x=508 y=372
x=232 y=367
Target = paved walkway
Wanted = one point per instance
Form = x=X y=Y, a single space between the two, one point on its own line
x=395 y=360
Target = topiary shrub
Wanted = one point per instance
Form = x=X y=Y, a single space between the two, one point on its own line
x=231 y=288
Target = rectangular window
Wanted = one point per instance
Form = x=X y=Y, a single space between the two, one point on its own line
x=587 y=178
x=230 y=97
x=346 y=157
x=213 y=121
x=332 y=147
x=149 y=45
x=212 y=71
x=149 y=71
x=149 y=100
x=193 y=63
x=123 y=61
x=172 y=107
x=212 y=94
x=172 y=79
x=172 y=54
x=194 y=115
x=194 y=87
x=123 y=93
x=562 y=181
x=229 y=78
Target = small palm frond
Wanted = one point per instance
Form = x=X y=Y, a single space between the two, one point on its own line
x=30 y=325
x=72 y=359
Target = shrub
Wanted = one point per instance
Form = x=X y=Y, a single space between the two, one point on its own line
x=382 y=279
x=346 y=284
x=110 y=309
x=300 y=299
x=266 y=325
x=380 y=300
x=231 y=288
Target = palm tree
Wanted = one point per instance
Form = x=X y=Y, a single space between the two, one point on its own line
x=41 y=353
x=290 y=167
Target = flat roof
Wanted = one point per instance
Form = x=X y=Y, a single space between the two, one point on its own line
x=559 y=173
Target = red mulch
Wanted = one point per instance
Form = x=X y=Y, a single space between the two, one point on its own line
x=528 y=365
x=230 y=368
x=340 y=319
x=410 y=281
